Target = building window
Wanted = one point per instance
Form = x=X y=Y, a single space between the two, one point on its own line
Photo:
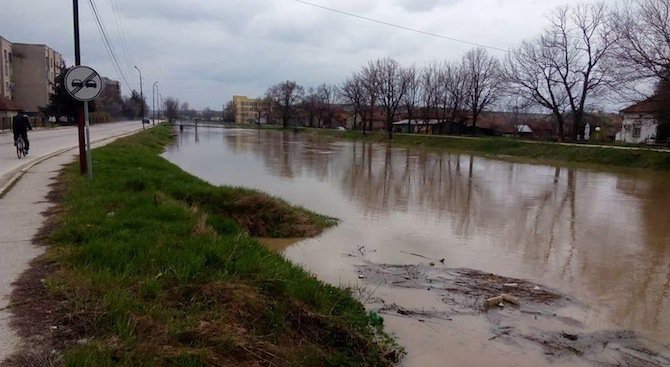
x=637 y=132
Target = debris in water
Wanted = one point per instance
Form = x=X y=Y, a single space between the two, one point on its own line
x=500 y=301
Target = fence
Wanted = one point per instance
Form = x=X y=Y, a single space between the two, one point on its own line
x=41 y=122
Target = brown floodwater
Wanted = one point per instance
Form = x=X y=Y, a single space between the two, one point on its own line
x=601 y=237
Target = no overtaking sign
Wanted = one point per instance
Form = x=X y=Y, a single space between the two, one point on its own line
x=83 y=83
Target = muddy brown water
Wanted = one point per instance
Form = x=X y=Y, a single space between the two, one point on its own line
x=601 y=238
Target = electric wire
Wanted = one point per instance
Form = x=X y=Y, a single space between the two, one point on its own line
x=108 y=44
x=122 y=33
x=373 y=20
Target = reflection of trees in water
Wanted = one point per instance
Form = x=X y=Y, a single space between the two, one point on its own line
x=551 y=216
x=650 y=300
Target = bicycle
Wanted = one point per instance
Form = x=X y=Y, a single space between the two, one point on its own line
x=21 y=150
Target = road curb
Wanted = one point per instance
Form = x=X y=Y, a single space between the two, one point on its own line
x=24 y=169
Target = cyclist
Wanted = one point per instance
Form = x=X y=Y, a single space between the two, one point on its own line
x=20 y=127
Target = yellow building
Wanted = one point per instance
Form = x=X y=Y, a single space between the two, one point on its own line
x=249 y=110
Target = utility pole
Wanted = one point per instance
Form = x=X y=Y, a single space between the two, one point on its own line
x=83 y=164
x=141 y=95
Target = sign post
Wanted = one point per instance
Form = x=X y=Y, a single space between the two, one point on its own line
x=84 y=84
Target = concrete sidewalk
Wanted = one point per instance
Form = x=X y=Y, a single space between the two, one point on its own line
x=22 y=209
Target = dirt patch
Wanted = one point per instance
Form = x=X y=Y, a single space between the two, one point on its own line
x=523 y=313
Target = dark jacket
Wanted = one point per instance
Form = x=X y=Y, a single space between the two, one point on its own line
x=21 y=124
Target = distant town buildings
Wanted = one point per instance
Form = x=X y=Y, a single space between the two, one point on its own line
x=249 y=110
x=27 y=74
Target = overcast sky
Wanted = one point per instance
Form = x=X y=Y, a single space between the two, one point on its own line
x=205 y=51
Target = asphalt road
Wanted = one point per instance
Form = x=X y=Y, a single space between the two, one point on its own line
x=46 y=142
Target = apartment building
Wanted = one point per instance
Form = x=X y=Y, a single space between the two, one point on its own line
x=249 y=110
x=28 y=73
x=6 y=84
x=35 y=68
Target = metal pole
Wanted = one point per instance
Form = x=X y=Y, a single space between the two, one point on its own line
x=153 y=99
x=83 y=110
x=141 y=95
x=88 y=143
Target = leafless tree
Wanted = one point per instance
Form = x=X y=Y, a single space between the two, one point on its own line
x=172 y=109
x=286 y=96
x=229 y=112
x=452 y=94
x=563 y=68
x=392 y=87
x=352 y=92
x=266 y=109
x=430 y=91
x=310 y=105
x=370 y=79
x=643 y=48
x=326 y=97
x=483 y=83
x=412 y=97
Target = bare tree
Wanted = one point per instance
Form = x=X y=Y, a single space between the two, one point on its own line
x=411 y=98
x=370 y=80
x=310 y=105
x=452 y=94
x=643 y=48
x=172 y=109
x=326 y=96
x=430 y=91
x=483 y=81
x=352 y=92
x=286 y=96
x=392 y=87
x=229 y=112
x=563 y=68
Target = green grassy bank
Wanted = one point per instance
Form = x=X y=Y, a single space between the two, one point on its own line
x=510 y=147
x=154 y=267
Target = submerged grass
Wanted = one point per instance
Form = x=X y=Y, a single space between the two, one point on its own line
x=155 y=267
x=526 y=150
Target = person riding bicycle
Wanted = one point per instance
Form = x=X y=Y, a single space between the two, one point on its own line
x=20 y=127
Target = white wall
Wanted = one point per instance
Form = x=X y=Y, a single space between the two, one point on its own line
x=646 y=123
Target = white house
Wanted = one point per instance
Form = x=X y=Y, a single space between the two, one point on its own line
x=639 y=123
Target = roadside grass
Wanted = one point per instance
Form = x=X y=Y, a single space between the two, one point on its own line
x=509 y=147
x=158 y=268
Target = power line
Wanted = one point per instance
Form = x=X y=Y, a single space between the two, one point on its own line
x=400 y=26
x=108 y=44
x=122 y=32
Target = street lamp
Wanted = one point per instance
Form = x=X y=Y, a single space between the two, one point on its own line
x=153 y=99
x=141 y=94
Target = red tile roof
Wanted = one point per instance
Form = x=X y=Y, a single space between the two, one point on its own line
x=8 y=105
x=646 y=106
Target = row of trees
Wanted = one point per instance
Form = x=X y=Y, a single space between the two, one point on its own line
x=588 y=54
x=110 y=101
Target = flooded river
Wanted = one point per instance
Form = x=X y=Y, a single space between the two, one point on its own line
x=600 y=238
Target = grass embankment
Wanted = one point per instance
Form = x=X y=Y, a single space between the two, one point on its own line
x=154 y=267
x=525 y=150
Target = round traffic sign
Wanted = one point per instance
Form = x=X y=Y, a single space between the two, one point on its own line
x=83 y=83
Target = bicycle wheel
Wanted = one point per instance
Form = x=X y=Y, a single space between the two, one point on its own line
x=20 y=147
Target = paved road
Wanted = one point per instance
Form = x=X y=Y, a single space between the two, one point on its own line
x=22 y=205
x=46 y=142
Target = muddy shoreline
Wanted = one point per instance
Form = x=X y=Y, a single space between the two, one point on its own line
x=520 y=313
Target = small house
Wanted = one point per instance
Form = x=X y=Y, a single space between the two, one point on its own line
x=639 y=123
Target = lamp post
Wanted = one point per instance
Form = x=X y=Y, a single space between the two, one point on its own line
x=141 y=95
x=153 y=99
